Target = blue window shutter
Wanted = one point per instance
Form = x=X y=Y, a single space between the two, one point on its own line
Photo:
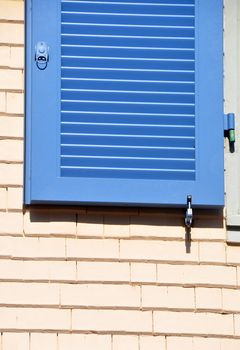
x=129 y=108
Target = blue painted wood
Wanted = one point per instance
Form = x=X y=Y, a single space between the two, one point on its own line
x=28 y=84
x=130 y=105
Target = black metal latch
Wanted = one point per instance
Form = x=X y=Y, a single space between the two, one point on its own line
x=189 y=213
x=41 y=55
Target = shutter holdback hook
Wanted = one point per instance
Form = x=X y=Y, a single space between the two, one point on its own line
x=41 y=55
x=189 y=213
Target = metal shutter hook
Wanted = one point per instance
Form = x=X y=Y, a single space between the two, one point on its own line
x=41 y=55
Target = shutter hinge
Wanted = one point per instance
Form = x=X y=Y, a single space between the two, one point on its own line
x=229 y=126
x=229 y=130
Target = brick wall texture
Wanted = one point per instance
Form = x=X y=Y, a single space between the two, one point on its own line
x=103 y=278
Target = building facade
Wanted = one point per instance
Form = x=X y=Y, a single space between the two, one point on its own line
x=102 y=277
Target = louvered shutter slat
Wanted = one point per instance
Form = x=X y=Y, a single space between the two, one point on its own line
x=96 y=59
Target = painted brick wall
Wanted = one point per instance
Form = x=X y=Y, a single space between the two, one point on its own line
x=102 y=278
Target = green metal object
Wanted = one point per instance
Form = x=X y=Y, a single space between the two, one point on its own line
x=231 y=135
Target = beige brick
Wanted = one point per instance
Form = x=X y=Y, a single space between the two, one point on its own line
x=209 y=226
x=116 y=226
x=121 y=342
x=56 y=270
x=51 y=248
x=161 y=227
x=12 y=57
x=15 y=103
x=157 y=250
x=11 y=150
x=143 y=272
x=208 y=298
x=103 y=271
x=192 y=323
x=41 y=341
x=112 y=320
x=184 y=299
x=11 y=10
x=29 y=294
x=17 y=57
x=38 y=248
x=153 y=343
x=34 y=319
x=4 y=53
x=11 y=223
x=231 y=299
x=10 y=126
x=197 y=274
x=14 y=198
x=92 y=248
x=173 y=274
x=208 y=232
x=207 y=344
x=174 y=343
x=46 y=223
x=11 y=174
x=229 y=344
x=16 y=341
x=11 y=269
x=62 y=271
x=11 y=79
x=212 y=252
x=84 y=341
x=167 y=297
x=233 y=254
x=2 y=102
x=98 y=295
x=195 y=343
x=90 y=226
x=6 y=249
x=11 y=33
x=37 y=270
x=3 y=198
x=155 y=297
x=238 y=275
x=8 y=318
x=237 y=324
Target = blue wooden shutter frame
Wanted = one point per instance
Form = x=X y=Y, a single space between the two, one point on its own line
x=43 y=181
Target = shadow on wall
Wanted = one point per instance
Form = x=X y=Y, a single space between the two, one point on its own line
x=121 y=223
x=202 y=218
